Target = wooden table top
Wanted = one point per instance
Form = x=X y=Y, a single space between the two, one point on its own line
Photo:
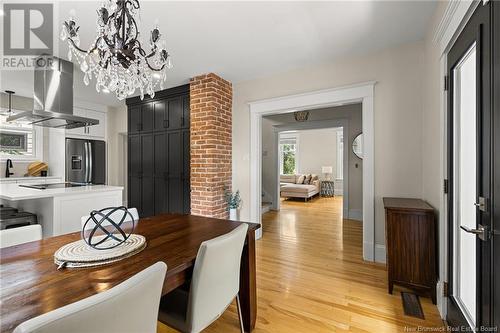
x=31 y=285
x=407 y=204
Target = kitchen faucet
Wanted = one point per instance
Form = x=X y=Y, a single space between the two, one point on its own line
x=7 y=170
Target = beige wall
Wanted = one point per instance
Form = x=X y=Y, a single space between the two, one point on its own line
x=432 y=129
x=317 y=148
x=117 y=147
x=398 y=117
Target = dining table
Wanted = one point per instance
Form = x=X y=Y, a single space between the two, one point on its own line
x=31 y=284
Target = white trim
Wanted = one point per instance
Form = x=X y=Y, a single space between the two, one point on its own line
x=380 y=254
x=340 y=155
x=452 y=22
x=363 y=93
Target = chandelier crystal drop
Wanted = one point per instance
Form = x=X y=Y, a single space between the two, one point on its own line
x=116 y=58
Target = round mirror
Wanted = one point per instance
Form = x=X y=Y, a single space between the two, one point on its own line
x=357 y=145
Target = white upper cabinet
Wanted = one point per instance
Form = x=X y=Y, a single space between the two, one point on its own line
x=93 y=132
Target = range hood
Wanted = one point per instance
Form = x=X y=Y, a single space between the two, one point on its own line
x=53 y=96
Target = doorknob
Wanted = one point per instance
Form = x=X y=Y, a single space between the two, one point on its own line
x=481 y=231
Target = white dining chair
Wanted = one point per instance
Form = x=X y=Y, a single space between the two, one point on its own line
x=131 y=306
x=214 y=285
x=20 y=235
x=116 y=216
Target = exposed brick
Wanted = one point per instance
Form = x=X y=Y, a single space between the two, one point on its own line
x=211 y=144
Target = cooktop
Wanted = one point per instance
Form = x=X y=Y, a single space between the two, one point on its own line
x=56 y=185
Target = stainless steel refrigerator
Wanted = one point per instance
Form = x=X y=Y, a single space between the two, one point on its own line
x=85 y=161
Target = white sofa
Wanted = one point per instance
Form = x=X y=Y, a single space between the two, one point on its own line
x=289 y=187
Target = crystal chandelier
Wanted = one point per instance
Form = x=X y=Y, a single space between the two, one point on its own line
x=116 y=57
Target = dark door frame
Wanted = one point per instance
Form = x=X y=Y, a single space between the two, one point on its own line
x=477 y=30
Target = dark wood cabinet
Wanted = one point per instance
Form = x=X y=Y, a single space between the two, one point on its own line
x=158 y=153
x=410 y=226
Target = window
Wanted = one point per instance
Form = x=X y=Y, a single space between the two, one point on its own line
x=340 y=154
x=288 y=150
x=19 y=140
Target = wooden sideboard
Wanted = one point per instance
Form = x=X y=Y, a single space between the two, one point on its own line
x=410 y=229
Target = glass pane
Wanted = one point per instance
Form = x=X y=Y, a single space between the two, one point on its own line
x=465 y=172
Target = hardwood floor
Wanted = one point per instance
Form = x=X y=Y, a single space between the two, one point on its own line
x=311 y=277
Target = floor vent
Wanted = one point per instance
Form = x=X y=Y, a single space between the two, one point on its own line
x=411 y=305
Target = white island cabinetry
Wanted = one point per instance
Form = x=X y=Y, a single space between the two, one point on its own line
x=59 y=210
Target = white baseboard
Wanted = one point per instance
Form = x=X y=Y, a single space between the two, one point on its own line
x=368 y=251
x=380 y=255
x=441 y=300
x=355 y=214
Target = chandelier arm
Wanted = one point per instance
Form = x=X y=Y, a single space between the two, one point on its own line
x=75 y=46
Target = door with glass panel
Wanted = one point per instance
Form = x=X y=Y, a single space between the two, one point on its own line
x=469 y=174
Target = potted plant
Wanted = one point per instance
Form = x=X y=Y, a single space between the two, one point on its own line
x=233 y=204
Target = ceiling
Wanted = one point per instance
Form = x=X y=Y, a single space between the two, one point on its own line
x=246 y=40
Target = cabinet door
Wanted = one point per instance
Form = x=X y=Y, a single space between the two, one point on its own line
x=79 y=130
x=134 y=155
x=147 y=117
x=174 y=113
x=186 y=184
x=160 y=115
x=175 y=166
x=186 y=118
x=161 y=172
x=98 y=130
x=134 y=119
x=134 y=193
x=147 y=152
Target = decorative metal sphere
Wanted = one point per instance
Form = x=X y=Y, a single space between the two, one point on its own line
x=109 y=221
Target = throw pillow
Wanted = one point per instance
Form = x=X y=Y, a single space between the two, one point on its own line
x=301 y=179
x=308 y=179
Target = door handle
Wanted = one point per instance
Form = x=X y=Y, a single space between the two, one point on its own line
x=481 y=231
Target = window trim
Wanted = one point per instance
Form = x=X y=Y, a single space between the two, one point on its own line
x=294 y=136
x=38 y=156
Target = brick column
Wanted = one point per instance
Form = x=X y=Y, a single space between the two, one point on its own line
x=211 y=144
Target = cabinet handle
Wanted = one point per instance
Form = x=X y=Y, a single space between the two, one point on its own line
x=182 y=121
x=138 y=127
x=166 y=123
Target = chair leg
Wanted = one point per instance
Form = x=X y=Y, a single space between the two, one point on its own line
x=240 y=316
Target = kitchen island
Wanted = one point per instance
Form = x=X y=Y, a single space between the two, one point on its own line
x=59 y=210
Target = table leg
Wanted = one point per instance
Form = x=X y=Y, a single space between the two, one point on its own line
x=248 y=284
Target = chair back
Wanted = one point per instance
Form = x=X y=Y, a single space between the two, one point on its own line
x=116 y=217
x=16 y=236
x=131 y=306
x=216 y=278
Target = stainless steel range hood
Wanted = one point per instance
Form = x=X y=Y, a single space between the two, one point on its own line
x=53 y=96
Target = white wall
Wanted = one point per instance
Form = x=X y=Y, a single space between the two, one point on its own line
x=117 y=147
x=398 y=117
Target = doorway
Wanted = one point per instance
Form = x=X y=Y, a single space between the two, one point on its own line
x=470 y=156
x=361 y=93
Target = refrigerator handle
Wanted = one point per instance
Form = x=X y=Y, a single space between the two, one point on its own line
x=90 y=162
x=86 y=161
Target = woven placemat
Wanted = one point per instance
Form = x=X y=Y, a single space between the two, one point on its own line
x=79 y=254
